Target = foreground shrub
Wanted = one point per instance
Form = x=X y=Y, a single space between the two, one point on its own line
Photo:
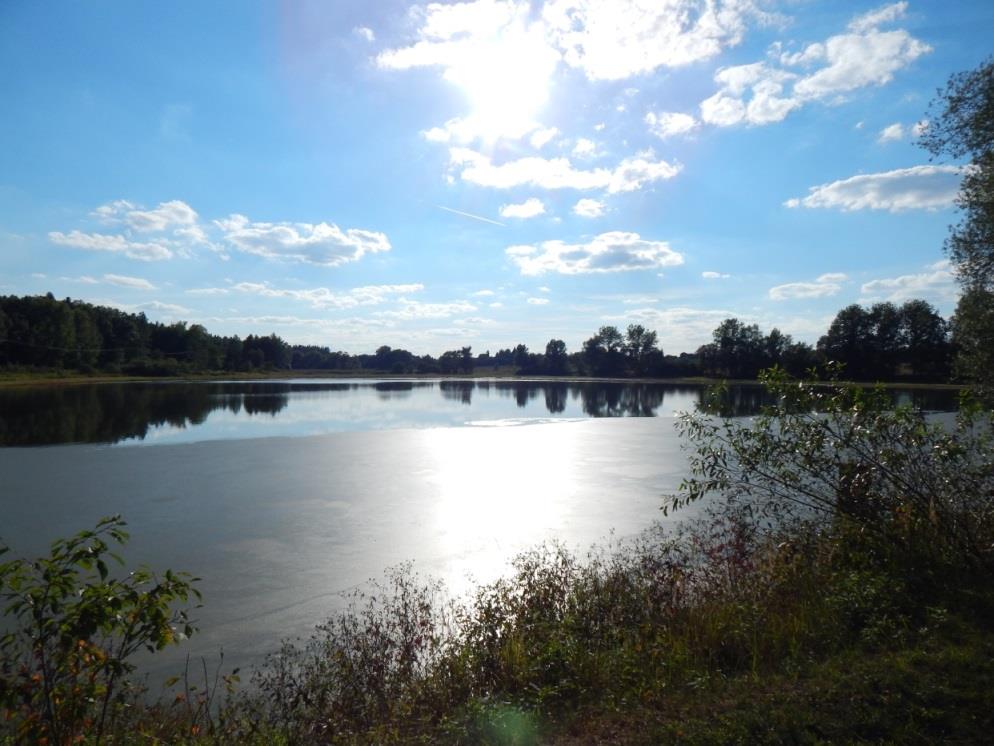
x=923 y=486
x=74 y=628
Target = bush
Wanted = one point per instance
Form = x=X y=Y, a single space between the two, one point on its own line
x=74 y=628
x=923 y=486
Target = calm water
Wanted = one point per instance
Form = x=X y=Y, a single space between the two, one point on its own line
x=282 y=494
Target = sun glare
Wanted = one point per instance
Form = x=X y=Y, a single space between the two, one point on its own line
x=481 y=521
x=506 y=79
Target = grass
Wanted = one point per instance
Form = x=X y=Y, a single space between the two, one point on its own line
x=715 y=637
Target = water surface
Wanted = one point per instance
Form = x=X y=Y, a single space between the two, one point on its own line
x=282 y=494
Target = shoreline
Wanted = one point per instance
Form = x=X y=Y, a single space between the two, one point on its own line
x=17 y=380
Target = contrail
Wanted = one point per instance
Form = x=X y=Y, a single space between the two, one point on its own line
x=470 y=215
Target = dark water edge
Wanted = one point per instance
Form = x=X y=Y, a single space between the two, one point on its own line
x=134 y=412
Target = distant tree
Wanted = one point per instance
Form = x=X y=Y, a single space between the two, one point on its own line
x=521 y=356
x=640 y=348
x=466 y=359
x=848 y=339
x=885 y=341
x=924 y=341
x=88 y=338
x=450 y=361
x=603 y=353
x=737 y=349
x=4 y=331
x=556 y=358
x=504 y=357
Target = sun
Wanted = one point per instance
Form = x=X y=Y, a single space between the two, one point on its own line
x=506 y=78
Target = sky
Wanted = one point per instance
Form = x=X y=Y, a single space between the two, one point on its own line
x=352 y=174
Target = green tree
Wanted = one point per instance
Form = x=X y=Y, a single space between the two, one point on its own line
x=961 y=126
x=925 y=341
x=603 y=353
x=556 y=357
x=848 y=339
x=973 y=338
x=736 y=350
x=521 y=356
x=640 y=348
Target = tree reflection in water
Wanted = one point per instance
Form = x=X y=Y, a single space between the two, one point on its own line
x=109 y=413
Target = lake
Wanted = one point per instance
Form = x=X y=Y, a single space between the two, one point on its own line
x=283 y=494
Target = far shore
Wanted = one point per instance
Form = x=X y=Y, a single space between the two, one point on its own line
x=63 y=378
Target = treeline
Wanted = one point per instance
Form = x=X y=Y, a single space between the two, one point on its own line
x=882 y=342
x=42 y=332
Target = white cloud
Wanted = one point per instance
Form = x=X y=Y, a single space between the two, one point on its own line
x=939 y=284
x=493 y=51
x=172 y=214
x=496 y=304
x=762 y=93
x=624 y=38
x=558 y=173
x=872 y=19
x=589 y=208
x=538 y=301
x=616 y=251
x=715 y=275
x=542 y=137
x=607 y=41
x=465 y=130
x=530 y=208
x=891 y=133
x=919 y=128
x=170 y=309
x=544 y=289
x=364 y=32
x=668 y=123
x=124 y=281
x=915 y=188
x=146 y=251
x=84 y=280
x=207 y=291
x=824 y=287
x=170 y=229
x=585 y=148
x=412 y=309
x=833 y=277
x=323 y=298
x=484 y=294
x=322 y=243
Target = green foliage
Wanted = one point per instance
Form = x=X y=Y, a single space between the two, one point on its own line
x=961 y=125
x=885 y=340
x=973 y=332
x=71 y=630
x=833 y=451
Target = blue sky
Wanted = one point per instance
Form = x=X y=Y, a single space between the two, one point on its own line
x=430 y=176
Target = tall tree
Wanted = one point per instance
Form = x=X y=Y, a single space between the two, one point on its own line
x=961 y=126
x=602 y=353
x=925 y=341
x=848 y=339
x=640 y=348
